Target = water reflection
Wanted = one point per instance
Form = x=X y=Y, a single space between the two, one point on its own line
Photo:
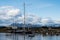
x=9 y=36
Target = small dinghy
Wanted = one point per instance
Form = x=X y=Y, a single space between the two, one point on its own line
x=31 y=35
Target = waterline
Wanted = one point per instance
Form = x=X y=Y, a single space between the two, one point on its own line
x=9 y=36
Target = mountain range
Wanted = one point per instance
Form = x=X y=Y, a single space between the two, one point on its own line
x=34 y=25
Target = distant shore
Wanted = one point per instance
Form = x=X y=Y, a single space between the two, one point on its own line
x=39 y=30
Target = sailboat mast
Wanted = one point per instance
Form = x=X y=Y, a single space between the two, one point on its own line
x=24 y=21
x=24 y=13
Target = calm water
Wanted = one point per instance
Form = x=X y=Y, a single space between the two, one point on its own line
x=9 y=36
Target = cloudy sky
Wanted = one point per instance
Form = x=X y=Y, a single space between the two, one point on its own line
x=36 y=9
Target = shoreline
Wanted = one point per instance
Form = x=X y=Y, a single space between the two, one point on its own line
x=39 y=30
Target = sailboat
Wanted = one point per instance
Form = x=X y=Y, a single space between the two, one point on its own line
x=30 y=33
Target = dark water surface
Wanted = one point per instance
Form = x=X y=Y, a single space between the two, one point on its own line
x=9 y=36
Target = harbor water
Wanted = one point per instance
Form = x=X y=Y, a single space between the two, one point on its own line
x=9 y=36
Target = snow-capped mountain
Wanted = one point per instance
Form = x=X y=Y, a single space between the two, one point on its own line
x=38 y=23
